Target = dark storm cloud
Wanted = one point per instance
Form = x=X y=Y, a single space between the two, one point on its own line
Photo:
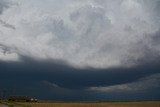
x=66 y=76
x=59 y=79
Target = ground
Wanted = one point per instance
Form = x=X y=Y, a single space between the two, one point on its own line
x=82 y=104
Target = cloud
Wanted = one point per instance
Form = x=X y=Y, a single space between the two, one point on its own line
x=142 y=84
x=94 y=33
x=52 y=85
x=6 y=54
x=3 y=5
x=7 y=25
x=9 y=57
x=69 y=77
x=60 y=81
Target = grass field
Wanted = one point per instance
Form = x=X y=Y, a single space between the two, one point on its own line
x=90 y=104
x=103 y=104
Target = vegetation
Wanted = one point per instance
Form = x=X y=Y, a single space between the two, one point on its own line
x=82 y=104
x=96 y=104
x=13 y=104
x=21 y=99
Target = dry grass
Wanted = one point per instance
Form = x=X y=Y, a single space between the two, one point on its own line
x=127 y=104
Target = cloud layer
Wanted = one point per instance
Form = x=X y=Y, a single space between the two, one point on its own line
x=55 y=81
x=142 y=84
x=95 y=33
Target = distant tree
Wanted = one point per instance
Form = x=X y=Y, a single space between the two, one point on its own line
x=22 y=99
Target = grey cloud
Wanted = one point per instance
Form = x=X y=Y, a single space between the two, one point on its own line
x=4 y=49
x=142 y=84
x=50 y=84
x=8 y=53
x=91 y=21
x=3 y=5
x=154 y=7
x=149 y=48
x=99 y=34
x=156 y=40
x=8 y=49
x=7 y=25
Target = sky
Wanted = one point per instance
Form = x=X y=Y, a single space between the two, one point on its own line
x=80 y=50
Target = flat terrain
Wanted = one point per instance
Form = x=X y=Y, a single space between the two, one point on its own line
x=2 y=105
x=90 y=104
x=114 y=104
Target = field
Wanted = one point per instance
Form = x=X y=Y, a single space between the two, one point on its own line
x=90 y=104
x=102 y=104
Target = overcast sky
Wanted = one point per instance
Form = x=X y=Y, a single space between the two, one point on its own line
x=81 y=49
